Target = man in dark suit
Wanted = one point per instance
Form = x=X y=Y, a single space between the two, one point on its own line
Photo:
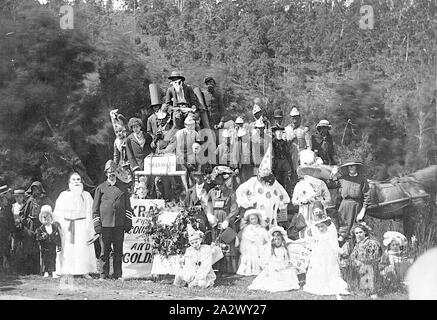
x=112 y=217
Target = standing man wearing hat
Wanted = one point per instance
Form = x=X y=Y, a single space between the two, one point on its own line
x=112 y=217
x=214 y=103
x=242 y=140
x=322 y=143
x=278 y=117
x=354 y=191
x=297 y=132
x=282 y=165
x=222 y=204
x=30 y=222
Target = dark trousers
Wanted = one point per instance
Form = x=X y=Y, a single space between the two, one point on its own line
x=48 y=257
x=112 y=236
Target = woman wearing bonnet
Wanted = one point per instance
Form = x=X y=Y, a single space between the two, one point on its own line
x=73 y=212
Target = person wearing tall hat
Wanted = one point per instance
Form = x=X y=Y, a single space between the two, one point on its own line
x=322 y=143
x=30 y=222
x=112 y=217
x=6 y=230
x=282 y=165
x=297 y=132
x=155 y=105
x=222 y=204
x=260 y=120
x=355 y=194
x=265 y=191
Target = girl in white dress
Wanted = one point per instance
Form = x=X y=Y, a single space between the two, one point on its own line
x=323 y=275
x=253 y=237
x=278 y=272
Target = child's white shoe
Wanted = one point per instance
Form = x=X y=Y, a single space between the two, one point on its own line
x=46 y=274
x=55 y=276
x=338 y=297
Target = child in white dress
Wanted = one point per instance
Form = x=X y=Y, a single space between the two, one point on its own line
x=323 y=276
x=278 y=272
x=196 y=264
x=253 y=238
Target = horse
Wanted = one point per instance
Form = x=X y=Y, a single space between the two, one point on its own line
x=410 y=198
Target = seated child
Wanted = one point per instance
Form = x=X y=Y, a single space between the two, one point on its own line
x=49 y=238
x=196 y=264
x=323 y=276
x=278 y=272
x=394 y=262
x=253 y=238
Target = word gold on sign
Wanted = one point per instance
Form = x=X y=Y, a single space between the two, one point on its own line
x=67 y=19
x=367 y=19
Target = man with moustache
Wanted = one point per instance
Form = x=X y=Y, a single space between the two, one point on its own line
x=112 y=217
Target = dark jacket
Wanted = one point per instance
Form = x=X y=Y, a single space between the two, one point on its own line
x=190 y=96
x=111 y=206
x=48 y=240
x=324 y=148
x=32 y=208
x=136 y=153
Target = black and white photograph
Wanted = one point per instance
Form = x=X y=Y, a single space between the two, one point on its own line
x=225 y=152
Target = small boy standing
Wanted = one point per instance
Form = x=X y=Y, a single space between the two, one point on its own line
x=49 y=238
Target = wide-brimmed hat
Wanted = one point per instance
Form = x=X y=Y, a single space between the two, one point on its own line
x=19 y=192
x=36 y=184
x=305 y=170
x=278 y=113
x=324 y=123
x=278 y=229
x=294 y=112
x=351 y=162
x=389 y=236
x=256 y=108
x=176 y=75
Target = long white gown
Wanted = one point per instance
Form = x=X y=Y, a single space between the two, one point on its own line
x=277 y=274
x=73 y=211
x=253 y=239
x=323 y=276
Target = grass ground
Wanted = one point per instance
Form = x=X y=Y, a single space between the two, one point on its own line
x=228 y=288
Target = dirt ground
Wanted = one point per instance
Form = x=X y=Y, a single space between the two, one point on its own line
x=225 y=288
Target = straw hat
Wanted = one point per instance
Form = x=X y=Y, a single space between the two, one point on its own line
x=239 y=120
x=307 y=170
x=19 y=192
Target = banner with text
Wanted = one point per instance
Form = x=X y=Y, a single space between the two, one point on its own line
x=137 y=253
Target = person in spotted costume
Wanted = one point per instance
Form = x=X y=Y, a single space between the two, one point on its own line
x=264 y=192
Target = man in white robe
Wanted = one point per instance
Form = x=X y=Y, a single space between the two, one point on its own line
x=73 y=211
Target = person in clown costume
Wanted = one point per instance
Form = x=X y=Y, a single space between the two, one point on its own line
x=264 y=192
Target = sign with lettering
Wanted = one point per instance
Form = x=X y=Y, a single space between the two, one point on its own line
x=66 y=22
x=164 y=164
x=137 y=253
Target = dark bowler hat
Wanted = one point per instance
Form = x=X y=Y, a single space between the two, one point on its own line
x=207 y=79
x=278 y=113
x=176 y=75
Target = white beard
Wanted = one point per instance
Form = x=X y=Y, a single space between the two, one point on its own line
x=76 y=189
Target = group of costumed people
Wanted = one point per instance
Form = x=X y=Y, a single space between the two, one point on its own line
x=259 y=170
